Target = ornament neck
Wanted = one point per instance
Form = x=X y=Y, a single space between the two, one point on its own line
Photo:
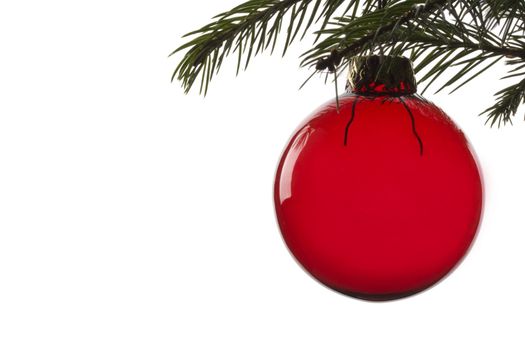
x=381 y=75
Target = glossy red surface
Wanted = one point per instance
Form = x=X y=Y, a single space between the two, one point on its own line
x=376 y=218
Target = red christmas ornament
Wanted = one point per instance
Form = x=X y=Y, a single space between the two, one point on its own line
x=382 y=199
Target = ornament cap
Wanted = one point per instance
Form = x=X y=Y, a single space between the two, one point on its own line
x=381 y=75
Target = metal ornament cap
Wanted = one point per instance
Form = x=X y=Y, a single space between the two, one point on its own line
x=381 y=75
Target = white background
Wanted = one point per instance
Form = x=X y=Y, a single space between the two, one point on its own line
x=135 y=217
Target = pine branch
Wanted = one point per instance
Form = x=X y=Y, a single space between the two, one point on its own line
x=354 y=42
x=439 y=43
x=248 y=29
x=507 y=104
x=467 y=35
x=215 y=41
x=337 y=55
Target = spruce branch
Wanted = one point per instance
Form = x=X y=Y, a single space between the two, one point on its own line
x=467 y=36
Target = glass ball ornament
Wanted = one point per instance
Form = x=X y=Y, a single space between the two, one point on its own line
x=380 y=197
